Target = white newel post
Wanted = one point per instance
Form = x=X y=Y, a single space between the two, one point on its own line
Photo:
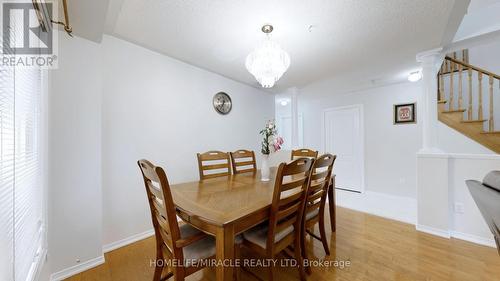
x=433 y=206
x=430 y=61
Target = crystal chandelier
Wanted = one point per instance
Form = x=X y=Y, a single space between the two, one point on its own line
x=268 y=62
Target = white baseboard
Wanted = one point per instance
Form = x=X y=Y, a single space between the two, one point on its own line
x=393 y=207
x=70 y=271
x=490 y=242
x=39 y=263
x=433 y=231
x=129 y=240
x=402 y=209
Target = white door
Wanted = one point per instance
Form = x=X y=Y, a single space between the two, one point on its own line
x=343 y=131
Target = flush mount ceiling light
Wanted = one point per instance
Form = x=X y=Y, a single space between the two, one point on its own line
x=415 y=76
x=284 y=102
x=268 y=62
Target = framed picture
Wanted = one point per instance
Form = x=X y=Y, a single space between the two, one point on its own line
x=405 y=113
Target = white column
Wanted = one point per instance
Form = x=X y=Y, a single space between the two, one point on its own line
x=430 y=62
x=294 y=92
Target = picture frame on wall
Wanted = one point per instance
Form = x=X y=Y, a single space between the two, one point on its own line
x=405 y=113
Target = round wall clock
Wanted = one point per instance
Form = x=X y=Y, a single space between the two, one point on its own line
x=222 y=103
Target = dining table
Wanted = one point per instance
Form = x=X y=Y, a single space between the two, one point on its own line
x=226 y=206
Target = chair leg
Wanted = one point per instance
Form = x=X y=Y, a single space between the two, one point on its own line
x=304 y=249
x=179 y=275
x=322 y=233
x=158 y=271
x=298 y=257
x=237 y=257
x=271 y=272
x=158 y=268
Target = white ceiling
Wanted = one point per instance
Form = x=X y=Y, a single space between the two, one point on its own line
x=376 y=38
x=482 y=17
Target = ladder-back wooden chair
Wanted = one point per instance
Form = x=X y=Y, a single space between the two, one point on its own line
x=304 y=152
x=243 y=161
x=314 y=209
x=213 y=164
x=183 y=244
x=285 y=218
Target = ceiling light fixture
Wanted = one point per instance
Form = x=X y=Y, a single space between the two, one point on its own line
x=283 y=102
x=268 y=62
x=415 y=76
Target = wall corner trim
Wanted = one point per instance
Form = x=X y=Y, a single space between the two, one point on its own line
x=126 y=241
x=474 y=239
x=73 y=270
x=433 y=231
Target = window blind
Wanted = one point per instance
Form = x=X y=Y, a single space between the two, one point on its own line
x=6 y=172
x=21 y=194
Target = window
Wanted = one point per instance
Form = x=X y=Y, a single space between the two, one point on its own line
x=21 y=196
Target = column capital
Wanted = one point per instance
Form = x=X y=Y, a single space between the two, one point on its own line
x=430 y=56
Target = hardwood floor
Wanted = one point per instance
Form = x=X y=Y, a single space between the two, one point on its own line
x=377 y=248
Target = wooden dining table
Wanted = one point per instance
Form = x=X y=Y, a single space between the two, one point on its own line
x=224 y=207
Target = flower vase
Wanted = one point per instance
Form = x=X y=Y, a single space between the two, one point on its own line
x=265 y=172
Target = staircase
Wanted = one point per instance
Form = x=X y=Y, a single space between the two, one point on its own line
x=463 y=108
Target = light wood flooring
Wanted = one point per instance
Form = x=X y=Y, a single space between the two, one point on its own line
x=378 y=249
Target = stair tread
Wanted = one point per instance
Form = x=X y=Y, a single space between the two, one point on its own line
x=474 y=121
x=453 y=111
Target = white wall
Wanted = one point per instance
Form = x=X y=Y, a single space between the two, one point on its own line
x=158 y=108
x=111 y=104
x=389 y=149
x=442 y=187
x=487 y=56
x=74 y=195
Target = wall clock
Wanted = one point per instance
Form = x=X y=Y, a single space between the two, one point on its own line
x=222 y=103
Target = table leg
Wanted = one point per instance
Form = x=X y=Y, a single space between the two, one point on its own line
x=224 y=252
x=331 y=203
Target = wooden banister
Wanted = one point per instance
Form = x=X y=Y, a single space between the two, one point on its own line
x=455 y=64
x=478 y=69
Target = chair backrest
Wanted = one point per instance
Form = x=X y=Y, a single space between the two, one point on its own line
x=243 y=161
x=289 y=194
x=213 y=164
x=318 y=185
x=304 y=152
x=161 y=205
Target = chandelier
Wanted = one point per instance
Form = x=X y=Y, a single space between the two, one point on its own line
x=268 y=62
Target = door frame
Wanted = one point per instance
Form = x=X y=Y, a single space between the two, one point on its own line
x=300 y=133
x=361 y=133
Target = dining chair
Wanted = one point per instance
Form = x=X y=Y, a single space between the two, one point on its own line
x=213 y=164
x=243 y=161
x=184 y=244
x=285 y=218
x=314 y=209
x=304 y=152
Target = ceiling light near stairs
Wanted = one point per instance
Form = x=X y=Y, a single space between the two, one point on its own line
x=415 y=76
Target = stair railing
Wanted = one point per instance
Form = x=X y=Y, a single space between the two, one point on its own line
x=452 y=66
